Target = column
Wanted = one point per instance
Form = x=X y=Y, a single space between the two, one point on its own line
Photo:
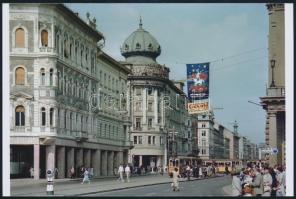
x=155 y=106
x=61 y=162
x=70 y=160
x=50 y=157
x=140 y=160
x=36 y=161
x=96 y=162
x=120 y=157
x=110 y=163
x=79 y=157
x=144 y=105
x=104 y=160
x=272 y=137
x=87 y=157
x=115 y=159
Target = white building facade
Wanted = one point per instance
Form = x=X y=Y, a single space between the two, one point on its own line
x=55 y=66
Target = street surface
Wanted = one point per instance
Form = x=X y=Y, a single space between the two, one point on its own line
x=207 y=187
x=150 y=185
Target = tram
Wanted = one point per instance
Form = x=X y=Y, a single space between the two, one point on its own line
x=180 y=162
x=221 y=164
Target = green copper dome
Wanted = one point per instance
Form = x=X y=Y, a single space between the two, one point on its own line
x=140 y=43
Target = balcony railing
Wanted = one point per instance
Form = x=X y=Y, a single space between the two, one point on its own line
x=81 y=136
x=275 y=92
x=47 y=49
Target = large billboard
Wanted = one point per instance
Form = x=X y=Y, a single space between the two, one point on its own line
x=198 y=87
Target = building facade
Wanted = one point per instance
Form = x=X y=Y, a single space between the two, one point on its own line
x=156 y=105
x=274 y=101
x=55 y=67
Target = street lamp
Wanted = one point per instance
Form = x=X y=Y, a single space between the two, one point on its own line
x=272 y=64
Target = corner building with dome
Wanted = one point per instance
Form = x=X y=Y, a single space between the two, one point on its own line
x=161 y=126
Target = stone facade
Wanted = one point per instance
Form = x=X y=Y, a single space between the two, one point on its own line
x=157 y=107
x=57 y=118
x=274 y=101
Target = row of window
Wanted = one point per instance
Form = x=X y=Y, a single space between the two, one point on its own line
x=20 y=116
x=111 y=82
x=150 y=140
x=138 y=106
x=149 y=91
x=150 y=120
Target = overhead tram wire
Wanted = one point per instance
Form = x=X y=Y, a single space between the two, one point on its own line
x=227 y=57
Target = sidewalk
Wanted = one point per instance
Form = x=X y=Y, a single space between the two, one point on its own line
x=73 y=187
x=227 y=190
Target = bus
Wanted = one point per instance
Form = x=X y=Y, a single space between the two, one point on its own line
x=221 y=164
x=180 y=162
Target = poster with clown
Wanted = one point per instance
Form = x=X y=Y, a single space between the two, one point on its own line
x=198 y=87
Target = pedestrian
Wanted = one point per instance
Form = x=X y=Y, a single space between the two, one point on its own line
x=257 y=183
x=188 y=172
x=200 y=172
x=280 y=179
x=267 y=182
x=120 y=171
x=91 y=173
x=274 y=184
x=236 y=184
x=127 y=171
x=247 y=190
x=56 y=173
x=175 y=183
x=226 y=170
x=72 y=172
x=85 y=176
x=31 y=172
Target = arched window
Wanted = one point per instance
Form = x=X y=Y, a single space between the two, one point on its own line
x=65 y=84
x=81 y=123
x=58 y=44
x=150 y=46
x=138 y=46
x=81 y=57
x=70 y=48
x=19 y=116
x=65 y=119
x=59 y=80
x=20 y=76
x=44 y=38
x=86 y=124
x=19 y=38
x=126 y=47
x=51 y=77
x=74 y=89
x=65 y=49
x=76 y=121
x=70 y=121
x=42 y=74
x=43 y=116
x=51 y=112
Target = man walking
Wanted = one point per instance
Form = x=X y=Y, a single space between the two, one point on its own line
x=127 y=171
x=120 y=171
x=257 y=183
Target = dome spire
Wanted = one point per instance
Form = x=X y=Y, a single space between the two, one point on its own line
x=140 y=24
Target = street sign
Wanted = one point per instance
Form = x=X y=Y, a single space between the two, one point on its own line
x=275 y=151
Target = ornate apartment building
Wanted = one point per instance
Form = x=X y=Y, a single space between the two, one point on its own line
x=56 y=65
x=156 y=104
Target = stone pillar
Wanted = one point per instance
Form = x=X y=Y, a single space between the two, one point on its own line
x=87 y=156
x=272 y=137
x=36 y=161
x=140 y=161
x=79 y=157
x=144 y=105
x=110 y=163
x=104 y=160
x=120 y=157
x=61 y=162
x=70 y=160
x=96 y=162
x=50 y=157
x=155 y=106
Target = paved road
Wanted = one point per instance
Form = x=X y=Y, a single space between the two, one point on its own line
x=207 y=187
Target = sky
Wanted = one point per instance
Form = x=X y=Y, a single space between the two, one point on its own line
x=232 y=37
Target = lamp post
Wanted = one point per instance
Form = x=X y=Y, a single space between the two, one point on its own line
x=272 y=65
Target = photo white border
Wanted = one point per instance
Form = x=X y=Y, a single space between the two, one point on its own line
x=5 y=102
x=289 y=71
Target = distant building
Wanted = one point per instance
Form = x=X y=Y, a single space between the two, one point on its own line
x=274 y=101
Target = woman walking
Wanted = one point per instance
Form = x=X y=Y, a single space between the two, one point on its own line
x=86 y=176
x=175 y=184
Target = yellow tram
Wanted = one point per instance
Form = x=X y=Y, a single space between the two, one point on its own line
x=180 y=162
x=221 y=164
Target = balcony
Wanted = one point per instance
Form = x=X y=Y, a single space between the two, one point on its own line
x=138 y=128
x=45 y=49
x=81 y=136
x=275 y=92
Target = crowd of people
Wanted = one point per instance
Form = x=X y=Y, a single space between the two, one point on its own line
x=259 y=179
